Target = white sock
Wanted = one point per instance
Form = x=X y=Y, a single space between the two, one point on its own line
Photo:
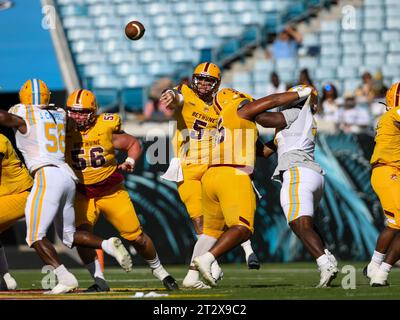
x=95 y=269
x=378 y=257
x=107 y=247
x=203 y=244
x=208 y=257
x=3 y=261
x=63 y=275
x=155 y=263
x=385 y=267
x=248 y=250
x=322 y=260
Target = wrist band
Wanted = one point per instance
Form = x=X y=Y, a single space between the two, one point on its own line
x=131 y=161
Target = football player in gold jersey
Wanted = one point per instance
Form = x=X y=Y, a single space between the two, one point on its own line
x=196 y=122
x=385 y=180
x=15 y=185
x=91 y=143
x=228 y=197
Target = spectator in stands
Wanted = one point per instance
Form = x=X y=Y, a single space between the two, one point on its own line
x=286 y=44
x=377 y=106
x=304 y=78
x=152 y=109
x=365 y=92
x=354 y=118
x=275 y=86
x=329 y=104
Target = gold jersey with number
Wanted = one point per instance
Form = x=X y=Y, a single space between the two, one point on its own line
x=15 y=177
x=236 y=138
x=387 y=139
x=91 y=153
x=196 y=123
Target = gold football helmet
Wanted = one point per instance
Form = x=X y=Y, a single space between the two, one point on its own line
x=34 y=92
x=82 y=108
x=393 y=96
x=206 y=71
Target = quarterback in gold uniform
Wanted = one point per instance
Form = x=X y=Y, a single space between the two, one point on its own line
x=385 y=180
x=196 y=122
x=228 y=196
x=15 y=184
x=91 y=143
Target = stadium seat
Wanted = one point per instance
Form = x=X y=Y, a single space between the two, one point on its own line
x=393 y=58
x=107 y=98
x=370 y=36
x=349 y=37
x=330 y=26
x=374 y=60
x=328 y=38
x=133 y=99
x=375 y=48
x=325 y=73
x=390 y=35
x=106 y=81
x=352 y=60
x=346 y=72
x=93 y=70
x=352 y=48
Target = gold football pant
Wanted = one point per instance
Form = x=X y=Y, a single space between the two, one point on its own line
x=385 y=181
x=190 y=188
x=12 y=208
x=116 y=207
x=228 y=198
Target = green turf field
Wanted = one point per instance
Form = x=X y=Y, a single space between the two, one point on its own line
x=272 y=281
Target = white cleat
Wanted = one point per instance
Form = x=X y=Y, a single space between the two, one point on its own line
x=10 y=282
x=62 y=288
x=331 y=257
x=379 y=278
x=194 y=284
x=205 y=269
x=121 y=254
x=328 y=273
x=370 y=269
x=216 y=271
x=67 y=284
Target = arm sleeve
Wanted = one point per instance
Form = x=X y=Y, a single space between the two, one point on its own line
x=290 y=115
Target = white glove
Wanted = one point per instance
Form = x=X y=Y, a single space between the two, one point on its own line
x=304 y=91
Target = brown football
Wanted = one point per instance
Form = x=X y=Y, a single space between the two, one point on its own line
x=134 y=30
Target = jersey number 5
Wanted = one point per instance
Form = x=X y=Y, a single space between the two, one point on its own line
x=198 y=129
x=95 y=159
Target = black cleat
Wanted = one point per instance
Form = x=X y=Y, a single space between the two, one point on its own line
x=170 y=283
x=3 y=284
x=253 y=262
x=100 y=285
x=365 y=273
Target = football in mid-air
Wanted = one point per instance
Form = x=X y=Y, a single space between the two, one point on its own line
x=134 y=30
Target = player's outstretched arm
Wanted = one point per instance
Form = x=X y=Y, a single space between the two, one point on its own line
x=271 y=120
x=12 y=121
x=128 y=143
x=171 y=99
x=252 y=109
